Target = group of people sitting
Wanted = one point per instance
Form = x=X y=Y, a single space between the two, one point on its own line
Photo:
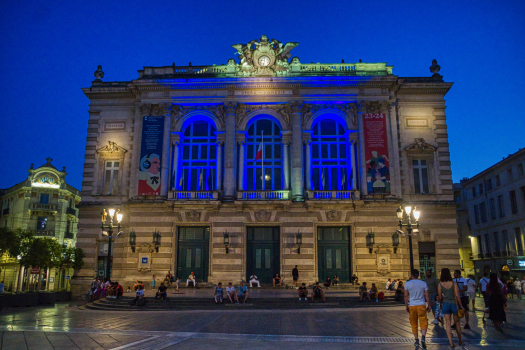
x=396 y=286
x=329 y=283
x=239 y=294
x=317 y=292
x=106 y=289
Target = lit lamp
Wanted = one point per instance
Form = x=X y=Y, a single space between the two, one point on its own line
x=395 y=241
x=108 y=230
x=226 y=238
x=411 y=230
x=132 y=240
x=156 y=240
x=370 y=240
x=299 y=240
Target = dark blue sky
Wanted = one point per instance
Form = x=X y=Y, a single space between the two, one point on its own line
x=50 y=49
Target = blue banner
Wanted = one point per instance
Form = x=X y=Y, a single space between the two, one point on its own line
x=151 y=155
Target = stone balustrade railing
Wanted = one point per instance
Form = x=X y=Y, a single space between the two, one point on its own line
x=334 y=195
x=263 y=195
x=193 y=195
x=40 y=206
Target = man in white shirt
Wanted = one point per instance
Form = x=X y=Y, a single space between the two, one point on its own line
x=416 y=293
x=517 y=288
x=230 y=291
x=462 y=288
x=471 y=291
x=138 y=295
x=191 y=278
x=253 y=279
x=388 y=283
x=483 y=284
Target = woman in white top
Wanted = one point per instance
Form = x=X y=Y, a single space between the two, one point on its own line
x=230 y=291
x=517 y=287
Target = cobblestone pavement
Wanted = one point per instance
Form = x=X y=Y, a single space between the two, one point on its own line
x=68 y=327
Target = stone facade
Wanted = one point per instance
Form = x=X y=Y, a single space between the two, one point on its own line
x=299 y=204
x=495 y=201
x=45 y=205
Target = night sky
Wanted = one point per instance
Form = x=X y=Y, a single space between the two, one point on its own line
x=49 y=50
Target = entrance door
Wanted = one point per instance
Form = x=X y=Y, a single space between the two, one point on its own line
x=427 y=259
x=193 y=253
x=333 y=246
x=262 y=253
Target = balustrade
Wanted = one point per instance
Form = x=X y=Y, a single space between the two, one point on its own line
x=194 y=195
x=334 y=195
x=263 y=195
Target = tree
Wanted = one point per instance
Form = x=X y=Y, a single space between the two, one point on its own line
x=38 y=252
x=10 y=241
x=66 y=258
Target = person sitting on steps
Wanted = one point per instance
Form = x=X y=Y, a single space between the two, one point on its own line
x=217 y=294
x=138 y=295
x=161 y=293
x=191 y=278
x=253 y=279
x=230 y=291
x=302 y=291
x=242 y=293
x=363 y=292
x=318 y=293
x=277 y=280
x=335 y=281
x=328 y=282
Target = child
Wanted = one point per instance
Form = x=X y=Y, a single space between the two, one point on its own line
x=177 y=281
x=153 y=283
x=218 y=293
x=129 y=289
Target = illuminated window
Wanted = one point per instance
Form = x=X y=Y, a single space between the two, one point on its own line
x=199 y=158
x=111 y=177
x=331 y=169
x=44 y=198
x=41 y=223
x=270 y=159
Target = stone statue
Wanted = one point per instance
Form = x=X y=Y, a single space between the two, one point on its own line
x=99 y=74
x=435 y=68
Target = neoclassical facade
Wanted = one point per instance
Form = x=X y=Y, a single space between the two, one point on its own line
x=266 y=163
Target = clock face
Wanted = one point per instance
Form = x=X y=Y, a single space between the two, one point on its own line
x=264 y=61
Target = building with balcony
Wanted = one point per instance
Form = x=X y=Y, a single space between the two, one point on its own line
x=495 y=199
x=265 y=163
x=45 y=205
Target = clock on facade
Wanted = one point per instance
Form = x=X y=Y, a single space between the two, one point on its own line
x=264 y=61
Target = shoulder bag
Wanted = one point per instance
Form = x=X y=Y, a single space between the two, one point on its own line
x=461 y=312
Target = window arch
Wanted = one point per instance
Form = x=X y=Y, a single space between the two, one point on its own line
x=271 y=162
x=199 y=157
x=331 y=163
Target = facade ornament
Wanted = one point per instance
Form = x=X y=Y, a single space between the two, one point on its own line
x=243 y=110
x=154 y=110
x=350 y=109
x=193 y=215
x=262 y=215
x=111 y=148
x=333 y=215
x=427 y=232
x=177 y=112
x=420 y=145
x=99 y=74
x=264 y=57
x=435 y=68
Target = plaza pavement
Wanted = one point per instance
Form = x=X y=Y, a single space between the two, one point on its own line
x=66 y=326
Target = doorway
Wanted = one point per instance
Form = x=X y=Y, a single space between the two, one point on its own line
x=262 y=255
x=333 y=247
x=193 y=253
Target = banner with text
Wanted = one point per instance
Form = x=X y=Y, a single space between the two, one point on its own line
x=376 y=153
x=150 y=155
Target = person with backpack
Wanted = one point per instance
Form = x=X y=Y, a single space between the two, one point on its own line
x=318 y=293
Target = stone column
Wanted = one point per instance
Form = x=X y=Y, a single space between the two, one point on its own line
x=240 y=185
x=219 y=165
x=308 y=165
x=286 y=165
x=175 y=162
x=353 y=161
x=229 y=152
x=297 y=153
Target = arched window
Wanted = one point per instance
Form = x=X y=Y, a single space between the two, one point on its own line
x=331 y=164
x=270 y=159
x=199 y=158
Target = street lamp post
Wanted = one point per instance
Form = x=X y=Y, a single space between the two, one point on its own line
x=109 y=233
x=409 y=226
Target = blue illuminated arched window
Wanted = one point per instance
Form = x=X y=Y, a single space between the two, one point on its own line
x=271 y=163
x=330 y=157
x=199 y=157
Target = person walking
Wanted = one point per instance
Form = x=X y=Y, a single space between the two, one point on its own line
x=483 y=284
x=517 y=287
x=463 y=288
x=432 y=284
x=450 y=301
x=416 y=292
x=510 y=287
x=471 y=291
x=295 y=275
x=497 y=302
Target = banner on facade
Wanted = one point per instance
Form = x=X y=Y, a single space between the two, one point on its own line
x=150 y=155
x=376 y=153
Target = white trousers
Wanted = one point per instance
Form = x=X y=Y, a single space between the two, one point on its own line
x=188 y=282
x=255 y=281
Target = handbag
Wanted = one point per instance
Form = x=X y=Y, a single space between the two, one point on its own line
x=461 y=312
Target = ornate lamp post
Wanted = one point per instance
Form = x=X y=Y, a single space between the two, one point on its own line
x=109 y=233
x=410 y=230
x=156 y=240
x=370 y=241
x=226 y=238
x=395 y=241
x=132 y=240
x=299 y=239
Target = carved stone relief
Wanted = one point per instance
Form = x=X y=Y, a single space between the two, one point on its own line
x=177 y=112
x=420 y=145
x=262 y=215
x=350 y=109
x=333 y=215
x=193 y=215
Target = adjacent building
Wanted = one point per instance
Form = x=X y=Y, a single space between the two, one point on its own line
x=495 y=199
x=265 y=163
x=45 y=205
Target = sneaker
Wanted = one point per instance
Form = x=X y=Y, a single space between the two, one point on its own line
x=423 y=344
x=466 y=326
x=416 y=342
x=435 y=321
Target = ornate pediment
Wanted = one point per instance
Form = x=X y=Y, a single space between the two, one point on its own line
x=420 y=145
x=264 y=57
x=154 y=110
x=350 y=109
x=177 y=112
x=112 y=150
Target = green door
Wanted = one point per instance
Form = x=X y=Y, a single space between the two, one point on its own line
x=262 y=253
x=193 y=253
x=333 y=246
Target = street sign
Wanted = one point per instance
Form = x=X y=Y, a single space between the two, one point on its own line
x=509 y=262
x=51 y=279
x=35 y=271
x=144 y=260
x=68 y=277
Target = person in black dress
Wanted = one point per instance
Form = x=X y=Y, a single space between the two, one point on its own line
x=496 y=302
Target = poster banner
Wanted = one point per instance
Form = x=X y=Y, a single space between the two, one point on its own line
x=376 y=153
x=150 y=156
